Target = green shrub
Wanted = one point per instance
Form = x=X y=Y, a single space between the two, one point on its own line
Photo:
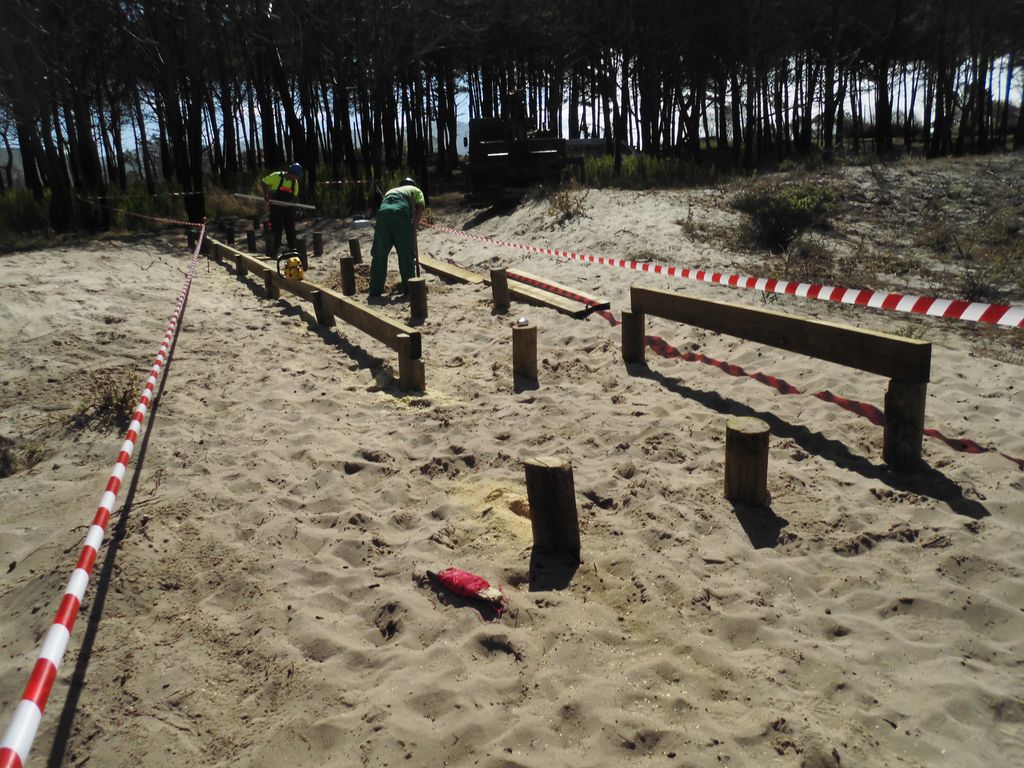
x=640 y=171
x=779 y=213
x=21 y=214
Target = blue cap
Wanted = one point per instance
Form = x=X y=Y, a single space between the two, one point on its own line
x=296 y=169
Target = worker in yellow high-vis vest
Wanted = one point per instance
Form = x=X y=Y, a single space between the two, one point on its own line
x=283 y=187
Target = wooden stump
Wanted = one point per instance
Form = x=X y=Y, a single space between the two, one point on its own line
x=552 y=498
x=257 y=222
x=229 y=234
x=318 y=244
x=411 y=372
x=240 y=270
x=323 y=317
x=354 y=251
x=746 y=460
x=216 y=254
x=418 y=298
x=499 y=290
x=904 y=424
x=524 y=351
x=270 y=285
x=348 y=276
x=191 y=239
x=300 y=246
x=633 y=349
x=250 y=241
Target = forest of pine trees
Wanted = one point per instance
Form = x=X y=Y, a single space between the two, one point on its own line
x=192 y=93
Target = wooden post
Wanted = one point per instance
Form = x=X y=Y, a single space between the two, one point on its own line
x=499 y=290
x=411 y=374
x=746 y=460
x=552 y=498
x=216 y=254
x=240 y=270
x=257 y=222
x=229 y=234
x=268 y=240
x=354 y=251
x=270 y=285
x=323 y=317
x=250 y=241
x=191 y=239
x=300 y=246
x=904 y=424
x=524 y=351
x=318 y=244
x=418 y=297
x=348 y=276
x=633 y=329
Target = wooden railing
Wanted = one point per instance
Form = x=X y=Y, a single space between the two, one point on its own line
x=329 y=305
x=906 y=362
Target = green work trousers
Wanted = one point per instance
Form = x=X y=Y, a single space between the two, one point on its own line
x=392 y=229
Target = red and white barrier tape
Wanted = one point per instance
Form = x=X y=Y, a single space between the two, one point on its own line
x=193 y=224
x=957 y=309
x=17 y=740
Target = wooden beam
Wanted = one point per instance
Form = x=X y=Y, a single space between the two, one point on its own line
x=746 y=460
x=551 y=494
x=383 y=329
x=524 y=351
x=905 y=360
x=544 y=298
x=380 y=327
x=499 y=290
x=633 y=348
x=591 y=302
x=450 y=271
x=348 y=276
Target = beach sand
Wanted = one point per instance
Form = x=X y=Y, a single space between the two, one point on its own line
x=263 y=598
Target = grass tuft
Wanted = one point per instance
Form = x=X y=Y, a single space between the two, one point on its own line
x=567 y=202
x=108 y=401
x=780 y=213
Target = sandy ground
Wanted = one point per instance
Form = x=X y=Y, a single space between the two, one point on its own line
x=264 y=600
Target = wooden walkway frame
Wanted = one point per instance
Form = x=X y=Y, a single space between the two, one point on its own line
x=328 y=305
x=905 y=362
x=517 y=289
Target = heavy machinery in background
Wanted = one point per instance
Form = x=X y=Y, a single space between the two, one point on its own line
x=508 y=156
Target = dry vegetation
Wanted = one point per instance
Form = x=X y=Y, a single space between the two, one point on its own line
x=951 y=228
x=108 y=400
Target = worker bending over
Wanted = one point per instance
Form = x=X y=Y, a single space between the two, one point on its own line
x=398 y=217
